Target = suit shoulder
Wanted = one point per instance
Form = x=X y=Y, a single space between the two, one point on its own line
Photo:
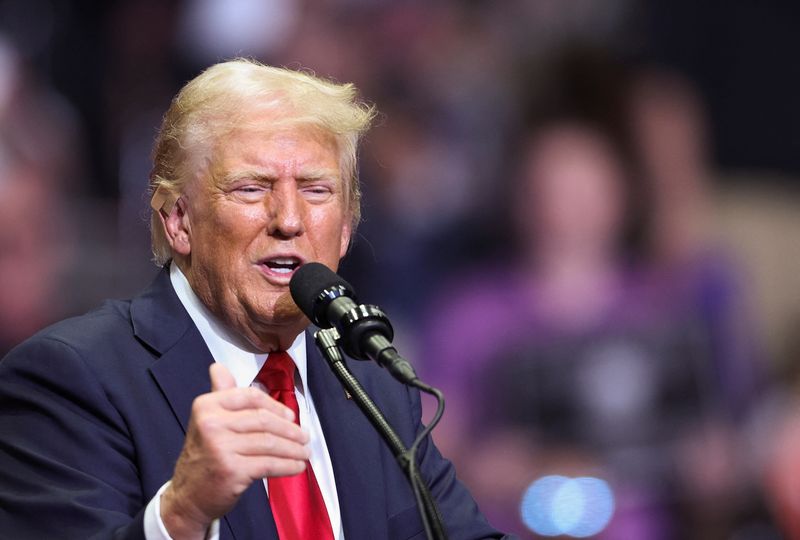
x=396 y=400
x=91 y=331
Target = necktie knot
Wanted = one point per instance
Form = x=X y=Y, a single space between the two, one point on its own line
x=277 y=373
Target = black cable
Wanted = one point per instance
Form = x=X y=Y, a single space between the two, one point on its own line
x=424 y=499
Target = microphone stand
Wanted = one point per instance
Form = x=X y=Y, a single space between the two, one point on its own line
x=328 y=343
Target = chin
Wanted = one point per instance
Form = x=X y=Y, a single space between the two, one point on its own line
x=285 y=312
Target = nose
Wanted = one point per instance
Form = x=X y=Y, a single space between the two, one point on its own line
x=285 y=211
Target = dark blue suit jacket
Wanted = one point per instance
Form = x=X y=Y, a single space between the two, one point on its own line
x=93 y=413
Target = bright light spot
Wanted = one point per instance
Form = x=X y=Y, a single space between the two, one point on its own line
x=536 y=505
x=567 y=506
x=558 y=505
x=598 y=508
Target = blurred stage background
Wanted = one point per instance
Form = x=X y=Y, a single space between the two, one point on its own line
x=583 y=217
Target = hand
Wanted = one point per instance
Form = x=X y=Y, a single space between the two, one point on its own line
x=235 y=436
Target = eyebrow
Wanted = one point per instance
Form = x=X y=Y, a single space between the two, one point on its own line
x=320 y=174
x=261 y=176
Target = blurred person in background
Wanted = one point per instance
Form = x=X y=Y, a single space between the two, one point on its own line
x=568 y=277
x=436 y=70
x=696 y=277
x=39 y=167
x=37 y=125
x=699 y=276
x=781 y=467
x=416 y=191
x=572 y=365
x=695 y=272
x=35 y=252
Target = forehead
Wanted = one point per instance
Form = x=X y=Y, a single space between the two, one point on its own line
x=275 y=148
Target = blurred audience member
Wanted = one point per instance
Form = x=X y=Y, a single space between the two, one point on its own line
x=36 y=124
x=34 y=252
x=697 y=276
x=38 y=164
x=780 y=446
x=699 y=279
x=568 y=277
x=560 y=359
x=415 y=196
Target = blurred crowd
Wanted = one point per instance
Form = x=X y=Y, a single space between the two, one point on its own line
x=545 y=224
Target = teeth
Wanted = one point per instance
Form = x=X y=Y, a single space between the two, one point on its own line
x=283 y=265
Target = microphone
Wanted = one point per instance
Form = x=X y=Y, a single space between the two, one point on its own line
x=330 y=302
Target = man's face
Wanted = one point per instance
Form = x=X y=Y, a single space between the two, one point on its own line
x=267 y=201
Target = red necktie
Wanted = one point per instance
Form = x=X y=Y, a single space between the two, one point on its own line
x=296 y=501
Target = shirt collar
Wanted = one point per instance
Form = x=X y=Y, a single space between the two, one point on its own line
x=225 y=346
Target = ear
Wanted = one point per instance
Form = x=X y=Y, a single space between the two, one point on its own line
x=347 y=230
x=177 y=227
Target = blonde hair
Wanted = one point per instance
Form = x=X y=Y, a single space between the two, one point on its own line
x=224 y=97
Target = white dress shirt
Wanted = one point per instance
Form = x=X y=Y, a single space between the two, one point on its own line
x=244 y=366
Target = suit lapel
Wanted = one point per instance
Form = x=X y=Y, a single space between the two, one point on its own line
x=251 y=518
x=354 y=448
x=161 y=322
x=182 y=374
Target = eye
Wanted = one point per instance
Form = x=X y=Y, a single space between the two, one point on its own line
x=250 y=189
x=249 y=192
x=317 y=192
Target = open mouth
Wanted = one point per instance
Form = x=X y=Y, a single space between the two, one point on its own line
x=283 y=266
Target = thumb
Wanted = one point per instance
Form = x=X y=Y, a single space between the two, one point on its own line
x=221 y=378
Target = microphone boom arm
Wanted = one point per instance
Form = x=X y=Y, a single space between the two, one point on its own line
x=328 y=343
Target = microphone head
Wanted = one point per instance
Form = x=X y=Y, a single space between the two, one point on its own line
x=313 y=286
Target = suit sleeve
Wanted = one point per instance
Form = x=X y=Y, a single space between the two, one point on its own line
x=462 y=518
x=67 y=461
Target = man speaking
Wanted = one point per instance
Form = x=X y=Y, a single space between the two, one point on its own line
x=200 y=409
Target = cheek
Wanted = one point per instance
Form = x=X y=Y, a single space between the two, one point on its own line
x=228 y=231
x=241 y=220
x=344 y=239
x=221 y=243
x=326 y=229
